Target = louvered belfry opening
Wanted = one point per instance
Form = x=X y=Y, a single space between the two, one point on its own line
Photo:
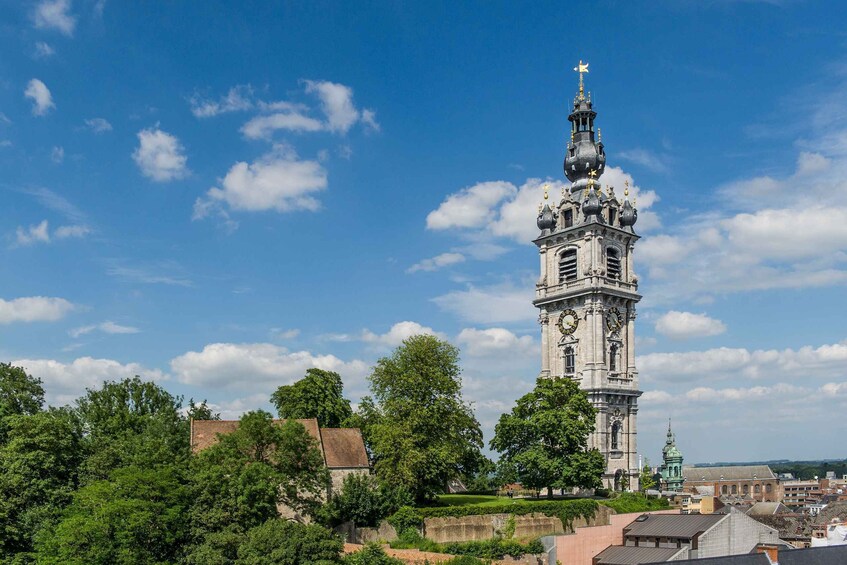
x=567 y=266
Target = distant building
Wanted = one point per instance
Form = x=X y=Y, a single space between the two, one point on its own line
x=798 y=494
x=776 y=555
x=699 y=504
x=671 y=468
x=659 y=538
x=343 y=449
x=735 y=484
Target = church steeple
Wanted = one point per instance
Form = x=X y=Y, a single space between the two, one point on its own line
x=671 y=463
x=584 y=154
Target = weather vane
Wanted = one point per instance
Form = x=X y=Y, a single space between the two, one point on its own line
x=581 y=68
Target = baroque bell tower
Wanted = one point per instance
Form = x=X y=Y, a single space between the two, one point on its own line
x=587 y=292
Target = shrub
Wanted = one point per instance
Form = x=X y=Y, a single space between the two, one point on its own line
x=493 y=548
x=628 y=502
x=289 y=543
x=364 y=501
x=406 y=517
x=371 y=554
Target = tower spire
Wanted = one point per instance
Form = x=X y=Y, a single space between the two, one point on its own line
x=584 y=153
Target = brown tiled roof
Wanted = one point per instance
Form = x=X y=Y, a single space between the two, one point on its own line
x=344 y=447
x=340 y=447
x=728 y=473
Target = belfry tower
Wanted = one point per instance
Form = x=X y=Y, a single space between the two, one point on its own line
x=587 y=292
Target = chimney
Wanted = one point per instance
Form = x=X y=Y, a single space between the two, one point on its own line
x=771 y=550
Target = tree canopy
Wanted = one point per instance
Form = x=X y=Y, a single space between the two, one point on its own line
x=20 y=394
x=545 y=437
x=419 y=429
x=317 y=395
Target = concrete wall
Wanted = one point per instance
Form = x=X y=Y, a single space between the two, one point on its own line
x=483 y=527
x=580 y=547
x=737 y=534
x=385 y=532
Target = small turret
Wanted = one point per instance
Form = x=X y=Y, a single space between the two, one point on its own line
x=629 y=215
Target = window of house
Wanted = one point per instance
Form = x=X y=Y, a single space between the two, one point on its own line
x=570 y=360
x=745 y=489
x=723 y=489
x=757 y=488
x=567 y=266
x=734 y=489
x=613 y=263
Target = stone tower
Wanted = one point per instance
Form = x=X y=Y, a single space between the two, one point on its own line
x=672 y=478
x=587 y=292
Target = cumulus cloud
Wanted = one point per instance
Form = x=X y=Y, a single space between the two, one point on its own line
x=107 y=327
x=398 y=332
x=255 y=365
x=685 y=325
x=496 y=342
x=239 y=98
x=437 y=262
x=42 y=100
x=64 y=382
x=263 y=127
x=55 y=14
x=277 y=181
x=34 y=309
x=160 y=155
x=471 y=207
x=98 y=125
x=337 y=105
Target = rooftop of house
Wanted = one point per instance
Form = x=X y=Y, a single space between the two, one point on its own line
x=836 y=555
x=684 y=526
x=728 y=473
x=627 y=555
x=341 y=448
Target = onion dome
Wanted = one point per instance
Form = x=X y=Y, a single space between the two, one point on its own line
x=629 y=215
x=584 y=154
x=591 y=205
x=546 y=221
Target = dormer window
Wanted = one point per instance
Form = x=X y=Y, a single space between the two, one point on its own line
x=567 y=265
x=568 y=218
x=613 y=263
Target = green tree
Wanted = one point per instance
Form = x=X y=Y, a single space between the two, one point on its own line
x=420 y=431
x=201 y=411
x=646 y=480
x=238 y=482
x=364 y=501
x=39 y=469
x=545 y=438
x=131 y=422
x=317 y=395
x=280 y=542
x=20 y=394
x=371 y=554
x=138 y=516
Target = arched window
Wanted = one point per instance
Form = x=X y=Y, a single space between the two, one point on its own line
x=567 y=266
x=570 y=361
x=723 y=489
x=734 y=489
x=768 y=488
x=613 y=263
x=757 y=489
x=616 y=432
x=745 y=489
x=613 y=357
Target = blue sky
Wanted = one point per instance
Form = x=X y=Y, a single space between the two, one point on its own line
x=220 y=195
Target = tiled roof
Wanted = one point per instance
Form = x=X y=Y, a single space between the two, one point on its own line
x=833 y=555
x=344 y=447
x=728 y=473
x=767 y=509
x=671 y=525
x=340 y=447
x=628 y=555
x=745 y=559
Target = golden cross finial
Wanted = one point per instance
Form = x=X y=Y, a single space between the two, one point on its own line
x=592 y=173
x=626 y=189
x=546 y=187
x=581 y=68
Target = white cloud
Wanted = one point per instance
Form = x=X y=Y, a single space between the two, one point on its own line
x=54 y=14
x=43 y=50
x=277 y=181
x=34 y=309
x=33 y=234
x=239 y=98
x=98 y=125
x=494 y=304
x=285 y=334
x=42 y=100
x=337 y=105
x=64 y=382
x=58 y=154
x=107 y=327
x=471 y=207
x=263 y=127
x=256 y=365
x=160 y=155
x=65 y=232
x=398 y=333
x=826 y=361
x=437 y=262
x=496 y=342
x=685 y=325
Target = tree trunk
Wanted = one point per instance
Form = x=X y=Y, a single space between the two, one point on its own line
x=549 y=492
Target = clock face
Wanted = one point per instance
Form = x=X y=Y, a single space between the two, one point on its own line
x=568 y=322
x=614 y=319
